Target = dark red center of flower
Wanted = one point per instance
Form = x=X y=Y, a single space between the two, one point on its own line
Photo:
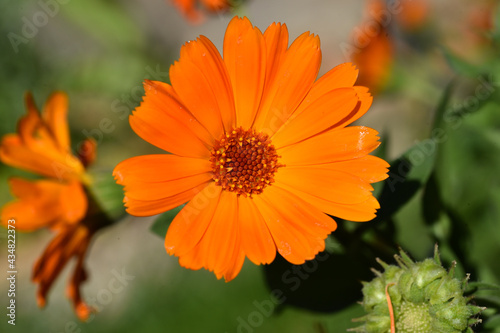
x=244 y=162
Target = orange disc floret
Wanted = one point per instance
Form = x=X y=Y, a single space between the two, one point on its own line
x=244 y=162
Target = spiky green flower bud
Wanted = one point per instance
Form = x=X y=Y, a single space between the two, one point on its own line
x=424 y=297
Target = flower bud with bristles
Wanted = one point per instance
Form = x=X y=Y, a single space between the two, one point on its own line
x=424 y=298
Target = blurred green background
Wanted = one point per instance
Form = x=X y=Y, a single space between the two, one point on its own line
x=444 y=190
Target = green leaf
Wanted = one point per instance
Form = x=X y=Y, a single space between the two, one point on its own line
x=492 y=324
x=328 y=283
x=108 y=194
x=469 y=183
x=161 y=224
x=343 y=320
x=442 y=108
x=406 y=176
x=459 y=65
x=412 y=170
x=479 y=285
x=432 y=205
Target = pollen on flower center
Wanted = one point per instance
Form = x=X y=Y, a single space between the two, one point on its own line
x=244 y=162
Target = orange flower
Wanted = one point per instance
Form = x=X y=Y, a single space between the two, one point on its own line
x=373 y=52
x=480 y=21
x=189 y=8
x=60 y=202
x=413 y=14
x=260 y=151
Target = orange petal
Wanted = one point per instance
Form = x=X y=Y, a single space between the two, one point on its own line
x=73 y=201
x=364 y=211
x=331 y=146
x=37 y=135
x=165 y=189
x=319 y=116
x=341 y=76
x=195 y=92
x=46 y=162
x=190 y=225
x=293 y=81
x=365 y=101
x=222 y=239
x=236 y=263
x=245 y=59
x=24 y=188
x=257 y=241
x=158 y=168
x=55 y=115
x=305 y=218
x=213 y=229
x=293 y=245
x=73 y=289
x=162 y=98
x=31 y=128
x=26 y=213
x=152 y=207
x=44 y=203
x=70 y=242
x=368 y=168
x=330 y=184
x=176 y=141
x=276 y=37
x=166 y=132
x=205 y=56
x=194 y=259
x=157 y=183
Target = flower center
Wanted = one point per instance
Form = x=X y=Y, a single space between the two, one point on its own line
x=414 y=318
x=244 y=162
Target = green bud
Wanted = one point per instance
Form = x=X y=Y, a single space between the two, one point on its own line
x=425 y=298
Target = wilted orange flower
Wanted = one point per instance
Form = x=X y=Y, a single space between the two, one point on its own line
x=259 y=150
x=373 y=52
x=60 y=202
x=189 y=8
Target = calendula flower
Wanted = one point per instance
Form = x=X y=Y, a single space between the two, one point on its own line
x=374 y=49
x=60 y=201
x=259 y=150
x=480 y=22
x=413 y=14
x=189 y=8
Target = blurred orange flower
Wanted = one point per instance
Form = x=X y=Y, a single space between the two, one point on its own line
x=60 y=202
x=259 y=150
x=374 y=49
x=189 y=8
x=413 y=14
x=480 y=21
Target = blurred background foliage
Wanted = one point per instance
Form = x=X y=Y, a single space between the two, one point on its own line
x=437 y=111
